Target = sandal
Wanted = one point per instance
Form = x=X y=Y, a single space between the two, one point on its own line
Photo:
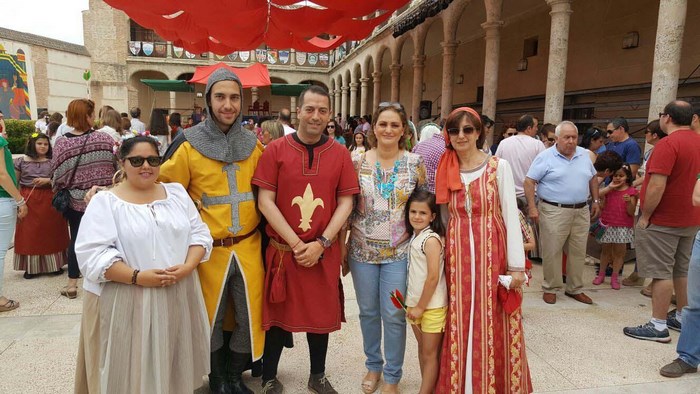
x=390 y=389
x=9 y=305
x=370 y=385
x=70 y=291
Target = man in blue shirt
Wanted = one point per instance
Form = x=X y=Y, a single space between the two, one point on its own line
x=564 y=176
x=623 y=145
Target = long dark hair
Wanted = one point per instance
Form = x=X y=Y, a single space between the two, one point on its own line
x=422 y=195
x=628 y=172
x=30 y=150
x=353 y=146
x=591 y=134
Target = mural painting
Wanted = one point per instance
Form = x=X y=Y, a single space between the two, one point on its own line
x=14 y=90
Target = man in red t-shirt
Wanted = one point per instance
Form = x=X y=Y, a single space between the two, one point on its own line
x=306 y=185
x=669 y=221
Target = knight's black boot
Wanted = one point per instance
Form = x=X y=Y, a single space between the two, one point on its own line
x=218 y=384
x=238 y=364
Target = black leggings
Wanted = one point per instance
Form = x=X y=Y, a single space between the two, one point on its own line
x=274 y=342
x=74 y=218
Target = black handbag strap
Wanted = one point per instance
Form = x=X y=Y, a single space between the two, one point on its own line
x=75 y=168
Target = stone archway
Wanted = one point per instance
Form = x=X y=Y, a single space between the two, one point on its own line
x=264 y=94
x=369 y=71
x=384 y=56
x=405 y=56
x=144 y=97
x=432 y=81
x=355 y=107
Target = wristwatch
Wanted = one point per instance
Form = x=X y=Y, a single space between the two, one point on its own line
x=325 y=242
x=596 y=201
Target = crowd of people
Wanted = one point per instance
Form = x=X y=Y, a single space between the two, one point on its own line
x=203 y=248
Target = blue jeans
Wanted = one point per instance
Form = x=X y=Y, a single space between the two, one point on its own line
x=373 y=283
x=8 y=219
x=689 y=341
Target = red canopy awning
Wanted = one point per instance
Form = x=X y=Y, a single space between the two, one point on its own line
x=255 y=75
x=226 y=26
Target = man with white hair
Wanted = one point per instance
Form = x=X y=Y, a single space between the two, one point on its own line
x=565 y=177
x=430 y=148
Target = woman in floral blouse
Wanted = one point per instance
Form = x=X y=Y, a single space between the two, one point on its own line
x=378 y=249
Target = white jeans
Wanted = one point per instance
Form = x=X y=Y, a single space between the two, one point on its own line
x=8 y=219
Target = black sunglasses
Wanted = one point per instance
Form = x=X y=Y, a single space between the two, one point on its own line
x=662 y=114
x=137 y=161
x=330 y=127
x=510 y=134
x=466 y=130
x=389 y=104
x=550 y=139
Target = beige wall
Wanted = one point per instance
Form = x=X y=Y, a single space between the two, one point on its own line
x=65 y=78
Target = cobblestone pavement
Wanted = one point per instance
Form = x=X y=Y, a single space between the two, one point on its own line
x=571 y=347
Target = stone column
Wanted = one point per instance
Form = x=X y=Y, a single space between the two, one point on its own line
x=253 y=94
x=364 y=85
x=667 y=55
x=449 y=49
x=493 y=44
x=173 y=101
x=293 y=108
x=336 y=104
x=377 y=79
x=418 y=65
x=353 y=99
x=556 y=69
x=344 y=102
x=395 y=82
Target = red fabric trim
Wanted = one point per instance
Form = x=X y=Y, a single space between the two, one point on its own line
x=225 y=26
x=255 y=75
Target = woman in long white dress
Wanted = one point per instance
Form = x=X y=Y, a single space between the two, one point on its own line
x=139 y=244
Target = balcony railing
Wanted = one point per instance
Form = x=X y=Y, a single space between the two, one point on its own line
x=148 y=49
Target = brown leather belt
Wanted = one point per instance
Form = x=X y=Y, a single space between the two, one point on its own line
x=286 y=248
x=574 y=206
x=280 y=246
x=230 y=241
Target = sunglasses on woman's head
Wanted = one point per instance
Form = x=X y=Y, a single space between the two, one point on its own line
x=393 y=105
x=466 y=130
x=137 y=161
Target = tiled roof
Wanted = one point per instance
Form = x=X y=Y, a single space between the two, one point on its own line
x=41 y=41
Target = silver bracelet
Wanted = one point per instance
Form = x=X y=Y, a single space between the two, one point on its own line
x=21 y=202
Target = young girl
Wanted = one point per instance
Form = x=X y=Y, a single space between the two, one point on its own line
x=360 y=144
x=41 y=239
x=426 y=297
x=618 y=215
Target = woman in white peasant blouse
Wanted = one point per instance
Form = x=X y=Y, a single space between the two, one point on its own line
x=138 y=248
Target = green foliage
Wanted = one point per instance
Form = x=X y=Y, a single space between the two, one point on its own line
x=18 y=132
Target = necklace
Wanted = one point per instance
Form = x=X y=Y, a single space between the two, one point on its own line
x=386 y=188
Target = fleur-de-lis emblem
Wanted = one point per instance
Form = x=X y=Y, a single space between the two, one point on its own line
x=307 y=205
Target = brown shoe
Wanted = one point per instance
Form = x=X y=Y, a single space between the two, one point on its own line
x=646 y=291
x=633 y=280
x=580 y=297
x=677 y=369
x=549 y=298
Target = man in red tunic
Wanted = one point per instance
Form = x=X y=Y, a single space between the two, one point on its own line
x=306 y=185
